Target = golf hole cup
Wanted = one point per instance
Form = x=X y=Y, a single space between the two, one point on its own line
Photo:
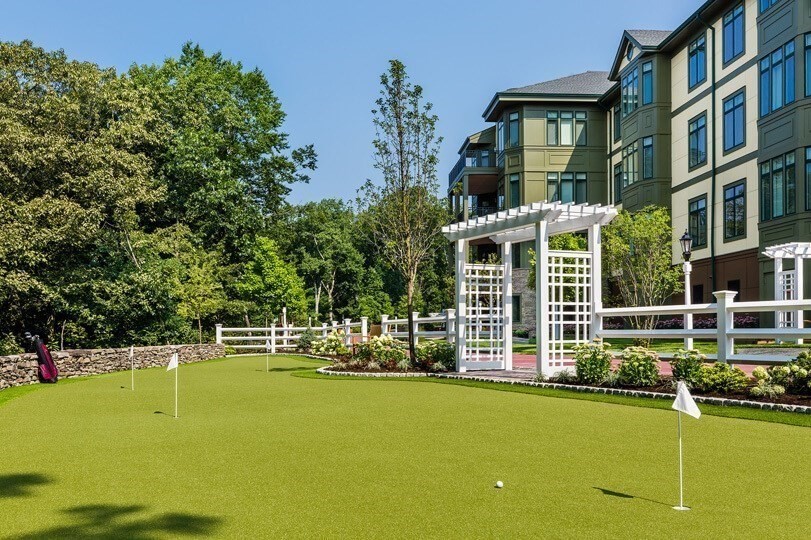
x=499 y=484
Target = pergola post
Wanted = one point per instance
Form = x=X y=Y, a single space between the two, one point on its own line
x=507 y=260
x=778 y=291
x=799 y=285
x=461 y=303
x=595 y=247
x=541 y=297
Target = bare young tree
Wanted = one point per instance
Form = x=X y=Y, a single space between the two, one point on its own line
x=404 y=214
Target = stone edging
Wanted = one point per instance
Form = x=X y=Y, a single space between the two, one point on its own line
x=803 y=409
x=325 y=371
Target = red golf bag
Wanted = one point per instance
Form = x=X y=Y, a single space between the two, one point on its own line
x=47 y=371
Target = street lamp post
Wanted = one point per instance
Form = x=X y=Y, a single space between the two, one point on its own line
x=686 y=242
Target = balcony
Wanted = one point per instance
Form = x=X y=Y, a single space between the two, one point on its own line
x=481 y=158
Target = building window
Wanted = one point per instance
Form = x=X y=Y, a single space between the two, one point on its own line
x=733 y=34
x=515 y=190
x=618 y=183
x=630 y=92
x=777 y=79
x=580 y=128
x=567 y=129
x=808 y=178
x=500 y=136
x=566 y=187
x=552 y=129
x=697 y=223
x=629 y=167
x=808 y=65
x=647 y=83
x=697 y=141
x=617 y=123
x=766 y=4
x=734 y=121
x=516 y=305
x=697 y=61
x=647 y=158
x=735 y=211
x=552 y=187
x=778 y=187
x=581 y=188
x=513 y=130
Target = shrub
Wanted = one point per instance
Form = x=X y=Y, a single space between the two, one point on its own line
x=592 y=362
x=443 y=353
x=521 y=333
x=767 y=389
x=333 y=345
x=9 y=345
x=229 y=349
x=638 y=367
x=385 y=350
x=306 y=340
x=563 y=377
x=794 y=376
x=721 y=377
x=687 y=366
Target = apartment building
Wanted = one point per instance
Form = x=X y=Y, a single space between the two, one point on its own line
x=711 y=120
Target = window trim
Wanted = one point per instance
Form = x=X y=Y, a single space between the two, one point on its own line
x=732 y=185
x=732 y=60
x=724 y=119
x=509 y=133
x=703 y=163
x=649 y=72
x=706 y=227
x=617 y=122
x=645 y=146
x=703 y=78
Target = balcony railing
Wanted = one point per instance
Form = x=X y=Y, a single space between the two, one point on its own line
x=473 y=158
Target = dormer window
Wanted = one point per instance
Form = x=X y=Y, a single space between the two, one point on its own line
x=630 y=52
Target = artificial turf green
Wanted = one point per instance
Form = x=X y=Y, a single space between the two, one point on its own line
x=258 y=454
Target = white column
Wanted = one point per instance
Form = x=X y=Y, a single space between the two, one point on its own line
x=450 y=325
x=688 y=299
x=324 y=330
x=218 y=330
x=799 y=293
x=542 y=298
x=415 y=316
x=778 y=291
x=726 y=345
x=348 y=332
x=461 y=303
x=364 y=329
x=596 y=249
x=273 y=338
x=384 y=325
x=507 y=259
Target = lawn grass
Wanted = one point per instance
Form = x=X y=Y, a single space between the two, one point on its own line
x=258 y=454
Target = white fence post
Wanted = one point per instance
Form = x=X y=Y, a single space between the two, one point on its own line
x=450 y=325
x=324 y=330
x=416 y=316
x=273 y=338
x=384 y=324
x=726 y=345
x=364 y=329
x=218 y=330
x=348 y=332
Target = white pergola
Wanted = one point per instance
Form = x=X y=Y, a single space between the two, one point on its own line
x=789 y=284
x=484 y=292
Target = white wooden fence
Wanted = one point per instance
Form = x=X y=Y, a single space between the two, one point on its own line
x=724 y=308
x=283 y=338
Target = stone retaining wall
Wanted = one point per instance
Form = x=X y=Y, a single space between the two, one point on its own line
x=19 y=370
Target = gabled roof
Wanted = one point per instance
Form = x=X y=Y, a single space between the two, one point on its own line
x=486 y=136
x=644 y=40
x=587 y=86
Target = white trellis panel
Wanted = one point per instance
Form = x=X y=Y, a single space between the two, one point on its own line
x=484 y=326
x=788 y=285
x=570 y=305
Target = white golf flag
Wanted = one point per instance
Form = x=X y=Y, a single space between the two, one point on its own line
x=172 y=363
x=684 y=402
x=132 y=351
x=267 y=346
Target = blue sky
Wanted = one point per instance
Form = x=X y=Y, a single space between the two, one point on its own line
x=323 y=59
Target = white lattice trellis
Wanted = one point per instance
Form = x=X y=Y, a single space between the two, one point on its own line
x=570 y=304
x=484 y=329
x=787 y=282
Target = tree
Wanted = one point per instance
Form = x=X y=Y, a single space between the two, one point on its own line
x=272 y=284
x=559 y=242
x=637 y=258
x=200 y=293
x=404 y=215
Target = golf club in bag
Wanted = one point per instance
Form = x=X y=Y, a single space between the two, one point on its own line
x=47 y=372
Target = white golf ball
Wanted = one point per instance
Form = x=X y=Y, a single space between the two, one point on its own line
x=499 y=484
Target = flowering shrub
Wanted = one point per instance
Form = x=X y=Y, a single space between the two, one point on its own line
x=638 y=367
x=592 y=362
x=386 y=351
x=706 y=322
x=333 y=345
x=721 y=377
x=431 y=353
x=794 y=376
x=687 y=366
x=766 y=387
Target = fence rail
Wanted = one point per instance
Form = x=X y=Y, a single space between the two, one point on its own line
x=725 y=308
x=276 y=338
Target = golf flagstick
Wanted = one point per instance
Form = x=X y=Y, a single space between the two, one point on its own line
x=267 y=356
x=684 y=404
x=132 y=366
x=173 y=365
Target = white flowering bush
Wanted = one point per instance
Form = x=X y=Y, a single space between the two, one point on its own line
x=638 y=367
x=775 y=381
x=333 y=345
x=437 y=355
x=385 y=351
x=592 y=362
x=686 y=366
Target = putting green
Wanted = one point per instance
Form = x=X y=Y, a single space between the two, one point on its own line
x=258 y=454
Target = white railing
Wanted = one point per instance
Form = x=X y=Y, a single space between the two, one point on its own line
x=284 y=338
x=725 y=308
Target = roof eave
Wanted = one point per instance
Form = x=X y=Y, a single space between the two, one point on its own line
x=500 y=97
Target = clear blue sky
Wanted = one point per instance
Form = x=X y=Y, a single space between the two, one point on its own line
x=323 y=59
